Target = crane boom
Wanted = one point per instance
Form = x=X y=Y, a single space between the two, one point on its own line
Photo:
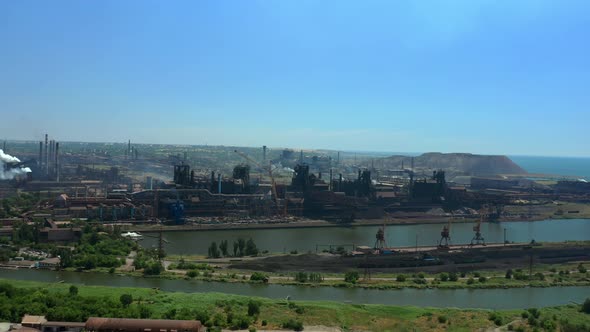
x=269 y=170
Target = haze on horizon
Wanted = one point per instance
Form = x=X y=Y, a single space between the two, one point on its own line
x=487 y=77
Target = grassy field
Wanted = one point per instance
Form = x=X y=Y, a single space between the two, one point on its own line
x=214 y=309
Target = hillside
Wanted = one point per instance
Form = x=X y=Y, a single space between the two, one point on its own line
x=456 y=163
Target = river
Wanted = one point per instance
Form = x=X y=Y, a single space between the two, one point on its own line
x=517 y=298
x=306 y=239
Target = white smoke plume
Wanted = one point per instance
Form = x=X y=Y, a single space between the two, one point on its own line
x=10 y=173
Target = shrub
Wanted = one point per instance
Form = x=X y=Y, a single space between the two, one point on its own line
x=264 y=322
x=444 y=277
x=498 y=321
x=482 y=279
x=258 y=276
x=192 y=274
x=293 y=325
x=540 y=276
x=73 y=290
x=470 y=281
x=253 y=308
x=476 y=274
x=453 y=276
x=534 y=312
x=421 y=275
x=509 y=274
x=126 y=299
x=581 y=268
x=351 y=277
x=400 y=278
x=442 y=319
x=524 y=314
x=586 y=306
x=463 y=274
x=419 y=281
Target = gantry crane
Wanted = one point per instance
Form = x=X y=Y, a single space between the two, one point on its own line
x=380 y=238
x=477 y=238
x=445 y=235
x=273 y=188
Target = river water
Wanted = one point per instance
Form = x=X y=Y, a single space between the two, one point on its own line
x=517 y=298
x=306 y=239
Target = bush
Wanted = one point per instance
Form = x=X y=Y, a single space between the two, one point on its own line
x=581 y=268
x=264 y=322
x=539 y=276
x=463 y=274
x=293 y=325
x=126 y=299
x=534 y=312
x=400 y=278
x=509 y=274
x=253 y=308
x=470 y=281
x=420 y=281
x=73 y=290
x=482 y=279
x=351 y=277
x=476 y=274
x=442 y=319
x=524 y=314
x=421 y=275
x=192 y=274
x=453 y=276
x=498 y=321
x=259 y=276
x=586 y=306
x=444 y=277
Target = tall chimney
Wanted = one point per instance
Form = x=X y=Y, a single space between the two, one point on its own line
x=264 y=153
x=40 y=161
x=46 y=155
x=57 y=161
x=219 y=182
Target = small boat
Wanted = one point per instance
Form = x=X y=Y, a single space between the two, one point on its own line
x=132 y=236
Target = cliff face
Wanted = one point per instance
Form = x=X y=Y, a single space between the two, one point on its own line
x=458 y=163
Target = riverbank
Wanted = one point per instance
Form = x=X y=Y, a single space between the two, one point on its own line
x=224 y=310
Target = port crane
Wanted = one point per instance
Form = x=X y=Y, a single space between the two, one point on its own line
x=445 y=235
x=477 y=238
x=275 y=198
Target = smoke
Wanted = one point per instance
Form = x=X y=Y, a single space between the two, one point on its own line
x=7 y=173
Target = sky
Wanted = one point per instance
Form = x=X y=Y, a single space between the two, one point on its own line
x=490 y=77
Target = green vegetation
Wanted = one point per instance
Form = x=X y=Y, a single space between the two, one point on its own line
x=17 y=205
x=233 y=311
x=241 y=248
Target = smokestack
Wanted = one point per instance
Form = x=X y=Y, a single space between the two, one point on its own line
x=340 y=182
x=57 y=161
x=46 y=154
x=40 y=161
x=219 y=183
x=264 y=153
x=301 y=157
x=331 y=179
x=129 y=147
x=338 y=160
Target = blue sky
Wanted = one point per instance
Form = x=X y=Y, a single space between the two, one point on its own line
x=503 y=77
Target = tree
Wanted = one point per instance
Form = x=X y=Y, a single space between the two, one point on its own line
x=241 y=246
x=213 y=250
x=444 y=277
x=453 y=276
x=73 y=290
x=400 y=278
x=126 y=299
x=586 y=306
x=301 y=277
x=351 y=277
x=251 y=249
x=581 y=268
x=223 y=247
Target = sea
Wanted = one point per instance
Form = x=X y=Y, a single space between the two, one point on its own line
x=578 y=167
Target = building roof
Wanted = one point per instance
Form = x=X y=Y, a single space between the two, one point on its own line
x=33 y=320
x=122 y=324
